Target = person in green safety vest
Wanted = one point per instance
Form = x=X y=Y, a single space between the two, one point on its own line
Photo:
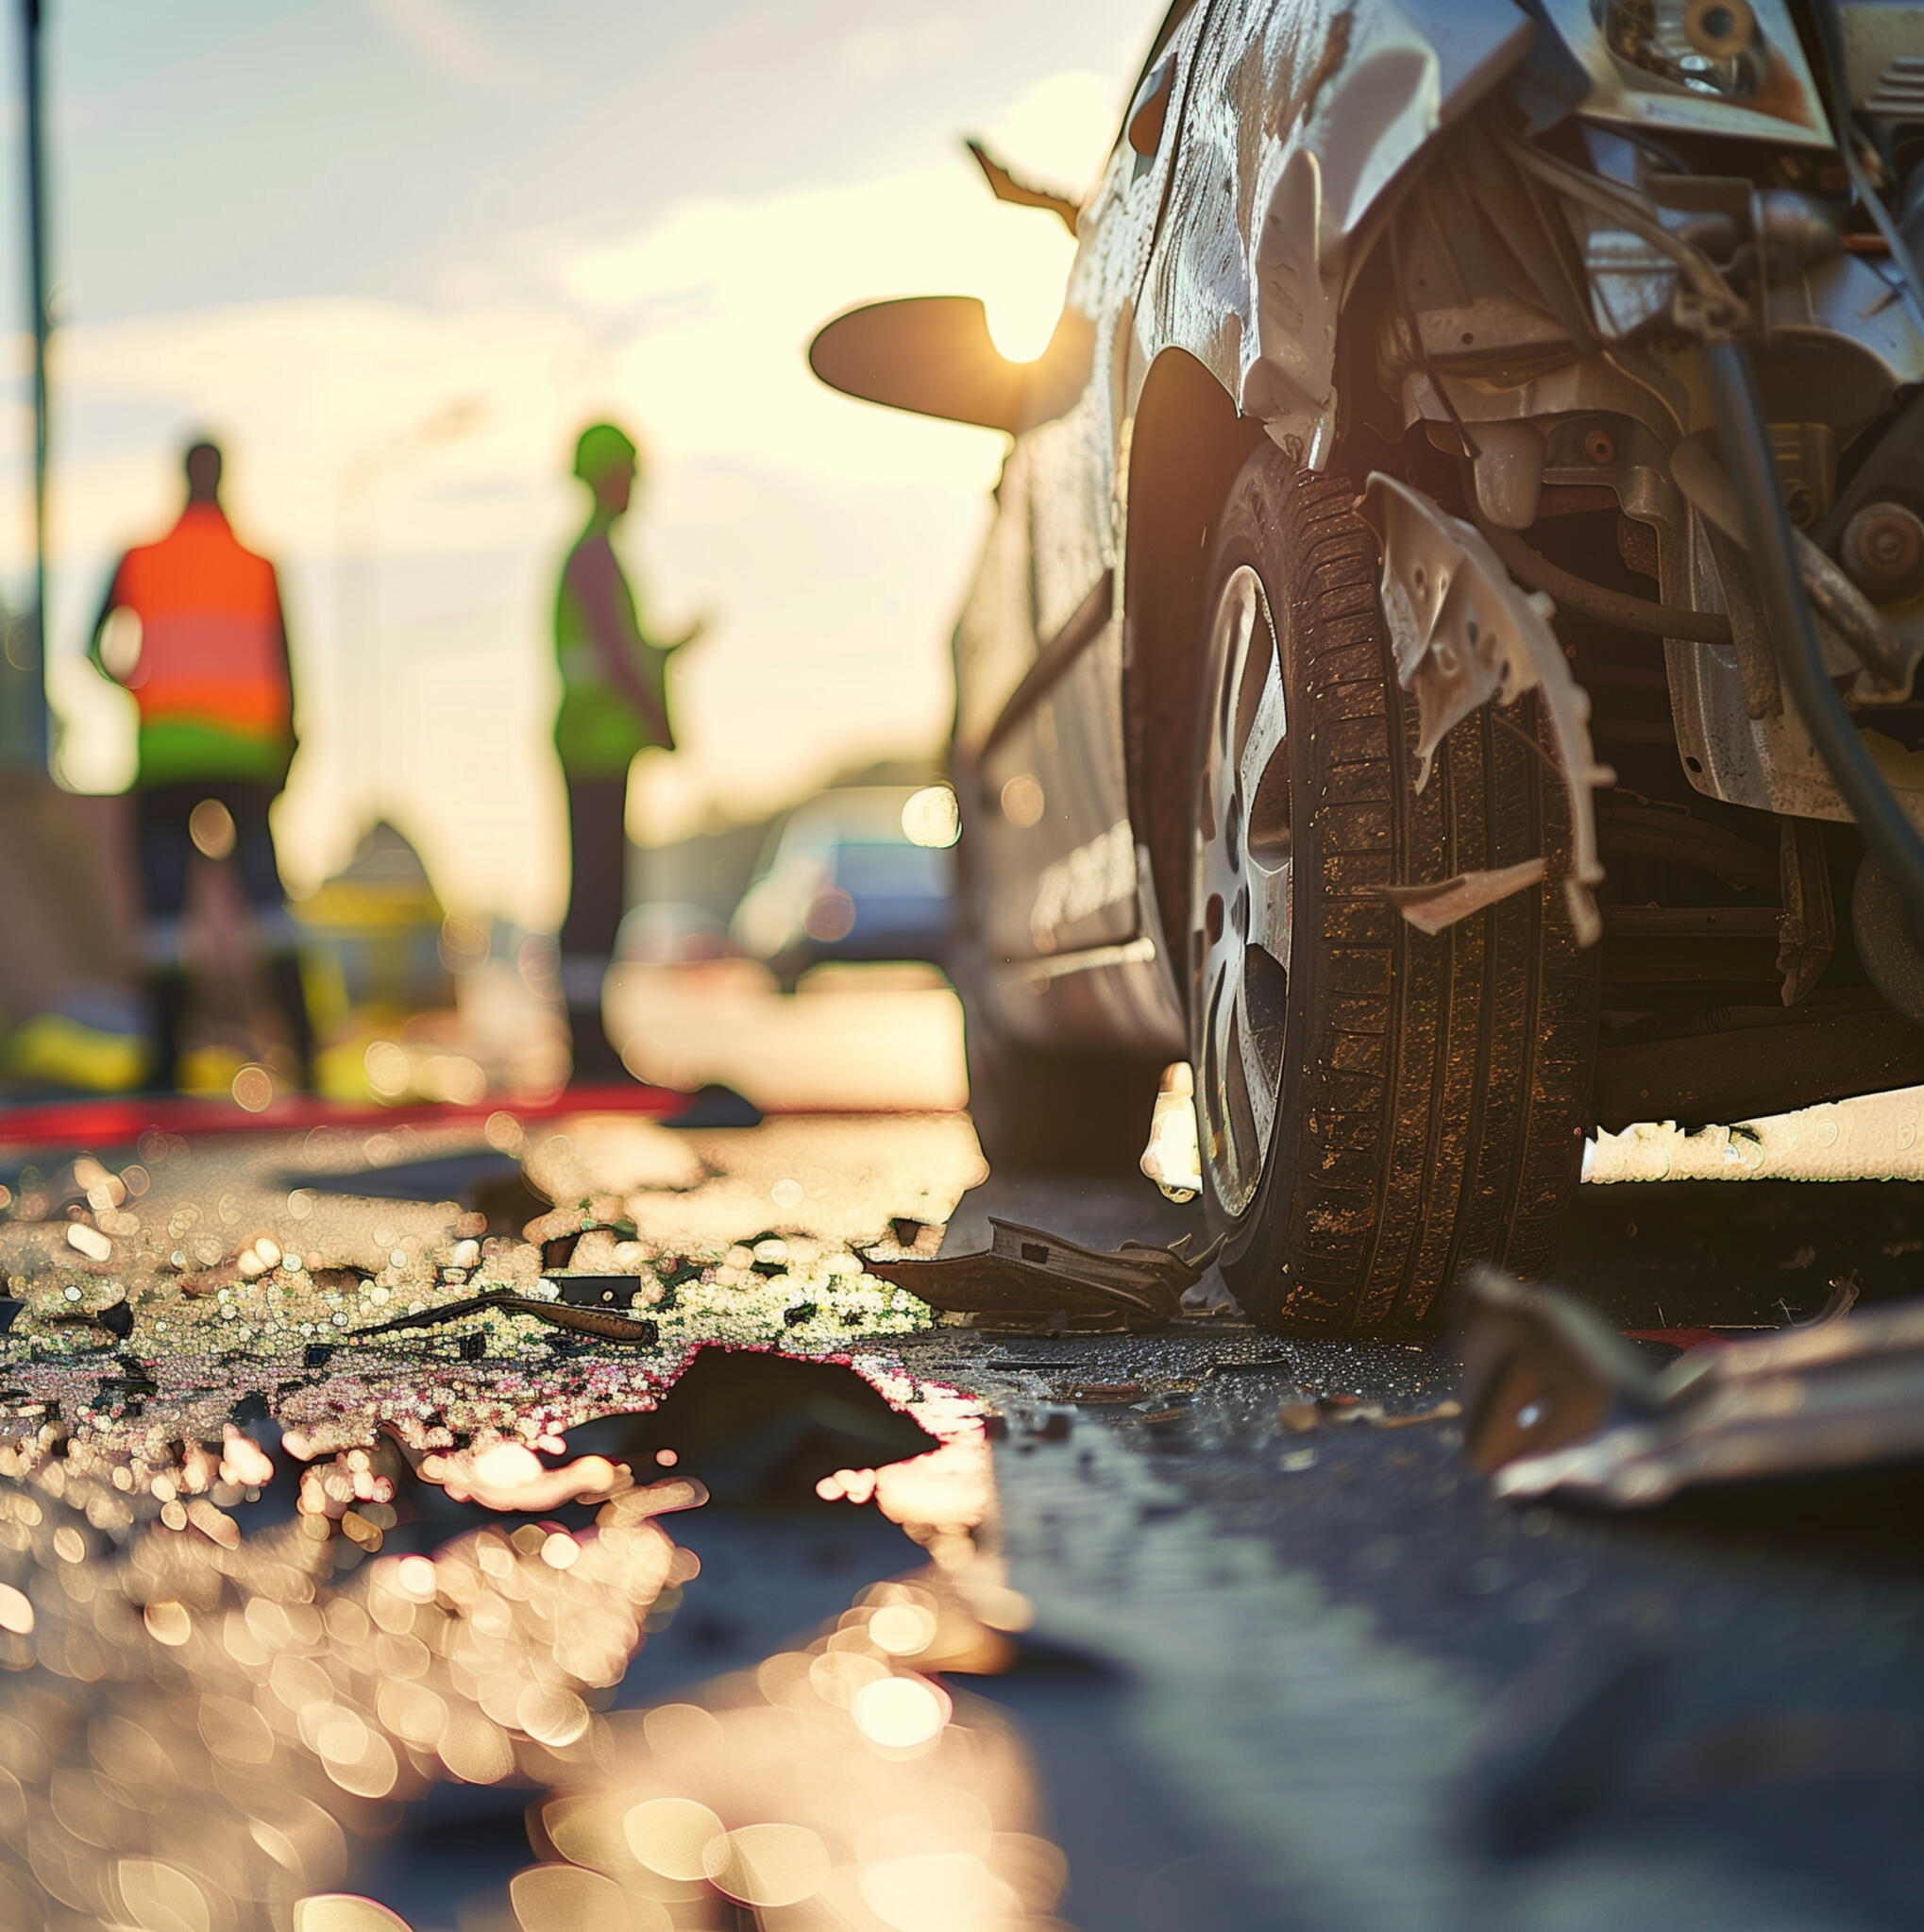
x=613 y=703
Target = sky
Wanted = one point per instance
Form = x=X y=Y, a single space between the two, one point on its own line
x=395 y=253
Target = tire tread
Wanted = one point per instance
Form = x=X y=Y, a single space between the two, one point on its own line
x=1445 y=1081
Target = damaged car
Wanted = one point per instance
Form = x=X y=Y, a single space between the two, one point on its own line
x=1443 y=663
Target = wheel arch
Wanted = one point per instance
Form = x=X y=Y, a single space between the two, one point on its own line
x=1186 y=445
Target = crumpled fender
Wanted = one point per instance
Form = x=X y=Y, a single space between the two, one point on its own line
x=1465 y=634
x=1299 y=116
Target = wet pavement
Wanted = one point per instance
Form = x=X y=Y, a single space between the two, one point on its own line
x=1171 y=1632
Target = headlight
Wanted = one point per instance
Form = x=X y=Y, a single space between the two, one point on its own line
x=1701 y=66
x=1708 y=47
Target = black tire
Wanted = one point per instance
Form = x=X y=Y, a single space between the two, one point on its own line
x=1431 y=1093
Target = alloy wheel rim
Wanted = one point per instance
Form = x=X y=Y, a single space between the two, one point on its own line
x=1239 y=895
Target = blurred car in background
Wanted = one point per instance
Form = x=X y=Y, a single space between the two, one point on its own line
x=672 y=932
x=864 y=873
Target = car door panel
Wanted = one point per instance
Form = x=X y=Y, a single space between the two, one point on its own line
x=1066 y=879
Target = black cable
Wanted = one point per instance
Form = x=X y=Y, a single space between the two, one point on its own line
x=1751 y=465
x=1535 y=570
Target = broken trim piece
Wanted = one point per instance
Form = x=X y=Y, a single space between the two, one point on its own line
x=602 y=1323
x=1433 y=908
x=1560 y=1407
x=1464 y=633
x=1029 y=1277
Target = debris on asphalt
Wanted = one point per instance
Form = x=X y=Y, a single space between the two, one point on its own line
x=605 y=1290
x=1302 y=1414
x=1560 y=1406
x=1164 y=1415
x=1445 y=1411
x=602 y=1323
x=1029 y=1278
x=117 y=1318
x=785 y=1795
x=758 y=1428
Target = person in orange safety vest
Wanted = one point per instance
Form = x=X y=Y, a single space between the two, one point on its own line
x=192 y=627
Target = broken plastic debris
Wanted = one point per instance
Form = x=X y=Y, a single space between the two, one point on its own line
x=758 y=1427
x=601 y=1322
x=1173 y=1158
x=1106 y=1391
x=117 y=1318
x=1432 y=909
x=1302 y=1414
x=1028 y=1278
x=605 y=1290
x=1560 y=1406
x=1465 y=634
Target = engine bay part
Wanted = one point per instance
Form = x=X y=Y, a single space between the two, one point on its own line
x=1792 y=627
x=1883 y=549
x=1888 y=659
x=1701 y=66
x=1536 y=572
x=1465 y=634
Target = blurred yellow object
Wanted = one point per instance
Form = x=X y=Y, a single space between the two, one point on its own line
x=67 y=1052
x=341 y=1070
x=209 y=1071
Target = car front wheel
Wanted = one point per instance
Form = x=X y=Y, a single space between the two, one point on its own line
x=1376 y=1107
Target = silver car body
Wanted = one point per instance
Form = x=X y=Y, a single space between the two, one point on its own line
x=1228 y=248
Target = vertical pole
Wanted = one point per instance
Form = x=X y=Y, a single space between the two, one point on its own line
x=26 y=731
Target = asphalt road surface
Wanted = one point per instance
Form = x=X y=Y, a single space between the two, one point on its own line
x=1268 y=1678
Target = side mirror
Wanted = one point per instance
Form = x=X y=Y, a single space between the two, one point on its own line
x=933 y=355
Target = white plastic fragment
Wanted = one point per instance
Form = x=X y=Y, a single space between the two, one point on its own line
x=1464 y=634
x=1173 y=1158
x=89 y=1242
x=1433 y=908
